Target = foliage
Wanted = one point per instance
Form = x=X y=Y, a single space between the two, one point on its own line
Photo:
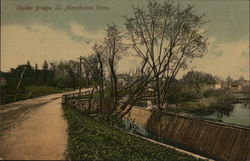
x=35 y=91
x=198 y=80
x=30 y=77
x=45 y=65
x=180 y=92
x=219 y=100
x=246 y=90
x=90 y=139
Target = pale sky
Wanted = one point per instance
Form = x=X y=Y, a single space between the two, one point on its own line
x=65 y=35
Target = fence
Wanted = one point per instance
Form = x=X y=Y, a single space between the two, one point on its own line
x=67 y=97
x=84 y=104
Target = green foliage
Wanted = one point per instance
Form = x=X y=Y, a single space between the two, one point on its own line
x=90 y=139
x=35 y=77
x=246 y=90
x=180 y=92
x=35 y=91
x=198 y=80
x=196 y=107
x=45 y=65
x=112 y=120
x=219 y=100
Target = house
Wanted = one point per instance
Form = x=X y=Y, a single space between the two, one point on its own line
x=3 y=81
x=236 y=85
x=124 y=78
x=218 y=85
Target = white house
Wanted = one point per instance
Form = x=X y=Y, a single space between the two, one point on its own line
x=3 y=81
x=218 y=85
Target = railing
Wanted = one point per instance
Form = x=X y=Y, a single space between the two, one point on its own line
x=85 y=104
x=70 y=96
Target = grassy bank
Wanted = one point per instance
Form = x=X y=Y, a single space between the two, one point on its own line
x=36 y=91
x=90 y=139
x=31 y=92
x=211 y=100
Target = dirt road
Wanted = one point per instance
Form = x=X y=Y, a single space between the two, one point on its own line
x=33 y=129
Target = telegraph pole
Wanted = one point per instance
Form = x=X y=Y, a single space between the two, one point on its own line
x=80 y=73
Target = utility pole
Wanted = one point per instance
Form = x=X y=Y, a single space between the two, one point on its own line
x=80 y=73
x=21 y=78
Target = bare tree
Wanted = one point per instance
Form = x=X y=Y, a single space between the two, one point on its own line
x=114 y=49
x=72 y=68
x=168 y=36
x=99 y=53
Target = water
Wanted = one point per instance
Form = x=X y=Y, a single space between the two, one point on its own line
x=240 y=115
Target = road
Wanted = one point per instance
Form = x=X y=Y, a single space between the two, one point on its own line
x=33 y=129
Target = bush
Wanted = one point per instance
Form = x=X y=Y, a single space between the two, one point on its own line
x=36 y=91
x=182 y=93
x=245 y=90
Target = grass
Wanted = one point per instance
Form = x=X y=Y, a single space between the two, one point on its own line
x=91 y=139
x=36 y=91
x=32 y=92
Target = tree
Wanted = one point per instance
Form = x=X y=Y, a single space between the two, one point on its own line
x=229 y=81
x=198 y=80
x=99 y=53
x=72 y=69
x=28 y=64
x=36 y=67
x=114 y=48
x=169 y=37
x=241 y=79
x=45 y=65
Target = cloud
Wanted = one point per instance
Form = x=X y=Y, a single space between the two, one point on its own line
x=229 y=62
x=80 y=31
x=37 y=43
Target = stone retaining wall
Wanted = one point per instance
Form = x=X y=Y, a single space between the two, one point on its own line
x=219 y=140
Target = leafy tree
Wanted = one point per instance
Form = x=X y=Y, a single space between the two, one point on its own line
x=36 y=67
x=229 y=81
x=28 y=64
x=241 y=79
x=198 y=80
x=72 y=69
x=45 y=65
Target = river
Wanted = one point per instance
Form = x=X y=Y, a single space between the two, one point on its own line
x=240 y=115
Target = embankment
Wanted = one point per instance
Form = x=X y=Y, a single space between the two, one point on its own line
x=221 y=141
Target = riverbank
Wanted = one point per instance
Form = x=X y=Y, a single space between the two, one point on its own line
x=90 y=139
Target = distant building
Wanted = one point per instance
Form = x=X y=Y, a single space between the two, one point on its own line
x=3 y=81
x=218 y=85
x=236 y=85
x=124 y=78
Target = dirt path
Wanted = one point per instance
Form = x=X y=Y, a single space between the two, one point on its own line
x=41 y=133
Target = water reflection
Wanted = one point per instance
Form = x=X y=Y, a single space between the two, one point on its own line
x=240 y=115
x=237 y=114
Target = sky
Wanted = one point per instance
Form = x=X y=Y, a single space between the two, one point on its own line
x=36 y=30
